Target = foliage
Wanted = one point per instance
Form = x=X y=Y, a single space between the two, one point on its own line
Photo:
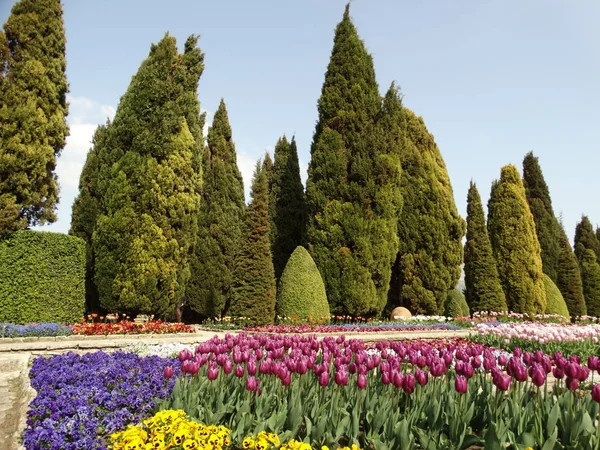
x=430 y=229
x=11 y=330
x=590 y=277
x=515 y=245
x=253 y=286
x=569 y=277
x=483 y=290
x=456 y=304
x=555 y=301
x=546 y=224
x=287 y=203
x=352 y=191
x=149 y=185
x=130 y=327
x=220 y=222
x=83 y=398
x=301 y=291
x=585 y=239
x=41 y=277
x=33 y=107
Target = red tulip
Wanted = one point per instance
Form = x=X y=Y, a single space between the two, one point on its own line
x=168 y=372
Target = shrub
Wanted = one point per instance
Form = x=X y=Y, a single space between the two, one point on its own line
x=556 y=302
x=42 y=277
x=456 y=304
x=10 y=330
x=301 y=289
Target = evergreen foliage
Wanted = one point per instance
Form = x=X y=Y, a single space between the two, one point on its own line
x=33 y=107
x=456 y=304
x=41 y=277
x=353 y=182
x=540 y=204
x=482 y=284
x=430 y=228
x=555 y=301
x=287 y=203
x=590 y=275
x=301 y=292
x=148 y=185
x=253 y=286
x=569 y=277
x=220 y=222
x=585 y=239
x=515 y=245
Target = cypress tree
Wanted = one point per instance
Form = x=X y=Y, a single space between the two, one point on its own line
x=540 y=204
x=569 y=277
x=84 y=214
x=286 y=197
x=515 y=245
x=585 y=239
x=590 y=275
x=483 y=290
x=220 y=222
x=353 y=182
x=149 y=185
x=253 y=287
x=33 y=108
x=430 y=228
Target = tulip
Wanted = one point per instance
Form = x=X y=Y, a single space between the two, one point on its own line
x=185 y=354
x=341 y=377
x=408 y=383
x=422 y=377
x=398 y=379
x=251 y=384
x=461 y=385
x=168 y=372
x=538 y=376
x=593 y=363
x=361 y=381
x=239 y=371
x=324 y=379
x=385 y=378
x=572 y=383
x=228 y=366
x=213 y=372
x=468 y=370
x=596 y=393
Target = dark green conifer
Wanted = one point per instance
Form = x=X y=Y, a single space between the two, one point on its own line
x=33 y=107
x=515 y=245
x=590 y=275
x=253 y=287
x=540 y=204
x=286 y=197
x=149 y=184
x=482 y=284
x=569 y=277
x=430 y=228
x=353 y=182
x=220 y=222
x=585 y=239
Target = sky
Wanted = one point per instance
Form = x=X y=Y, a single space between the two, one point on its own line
x=493 y=80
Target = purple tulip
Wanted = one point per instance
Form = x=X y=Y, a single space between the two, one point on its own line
x=361 y=381
x=228 y=366
x=593 y=363
x=572 y=383
x=251 y=368
x=398 y=379
x=251 y=384
x=572 y=370
x=502 y=360
x=185 y=354
x=422 y=377
x=459 y=367
x=502 y=382
x=538 y=375
x=239 y=371
x=341 y=377
x=408 y=383
x=468 y=370
x=385 y=378
x=596 y=393
x=213 y=372
x=324 y=379
x=461 y=384
x=168 y=372
x=583 y=373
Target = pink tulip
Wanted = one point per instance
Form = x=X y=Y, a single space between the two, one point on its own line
x=596 y=393
x=168 y=372
x=460 y=384
x=361 y=381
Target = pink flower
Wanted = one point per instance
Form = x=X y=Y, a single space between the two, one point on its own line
x=168 y=372
x=461 y=384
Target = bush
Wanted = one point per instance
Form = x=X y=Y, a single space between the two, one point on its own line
x=301 y=290
x=556 y=302
x=42 y=277
x=456 y=305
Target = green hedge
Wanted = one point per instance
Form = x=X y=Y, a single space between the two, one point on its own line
x=42 y=277
x=456 y=305
x=556 y=302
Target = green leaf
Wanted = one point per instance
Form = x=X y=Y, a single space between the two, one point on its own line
x=552 y=419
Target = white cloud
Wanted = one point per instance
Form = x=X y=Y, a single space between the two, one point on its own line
x=246 y=164
x=303 y=172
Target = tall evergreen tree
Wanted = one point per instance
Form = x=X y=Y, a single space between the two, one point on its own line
x=585 y=239
x=253 y=287
x=33 y=107
x=286 y=197
x=352 y=189
x=220 y=222
x=149 y=183
x=540 y=204
x=430 y=228
x=568 y=279
x=515 y=245
x=590 y=275
x=482 y=283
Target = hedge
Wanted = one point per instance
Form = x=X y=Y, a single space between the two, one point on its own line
x=456 y=304
x=556 y=302
x=42 y=277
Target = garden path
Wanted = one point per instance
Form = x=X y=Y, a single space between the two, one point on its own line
x=15 y=395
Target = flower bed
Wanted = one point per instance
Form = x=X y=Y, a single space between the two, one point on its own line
x=11 y=330
x=82 y=398
x=582 y=340
x=130 y=327
x=350 y=328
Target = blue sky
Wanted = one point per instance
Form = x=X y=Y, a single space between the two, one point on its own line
x=492 y=79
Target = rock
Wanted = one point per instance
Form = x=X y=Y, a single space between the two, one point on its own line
x=400 y=313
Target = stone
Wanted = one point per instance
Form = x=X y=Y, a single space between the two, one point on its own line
x=400 y=313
